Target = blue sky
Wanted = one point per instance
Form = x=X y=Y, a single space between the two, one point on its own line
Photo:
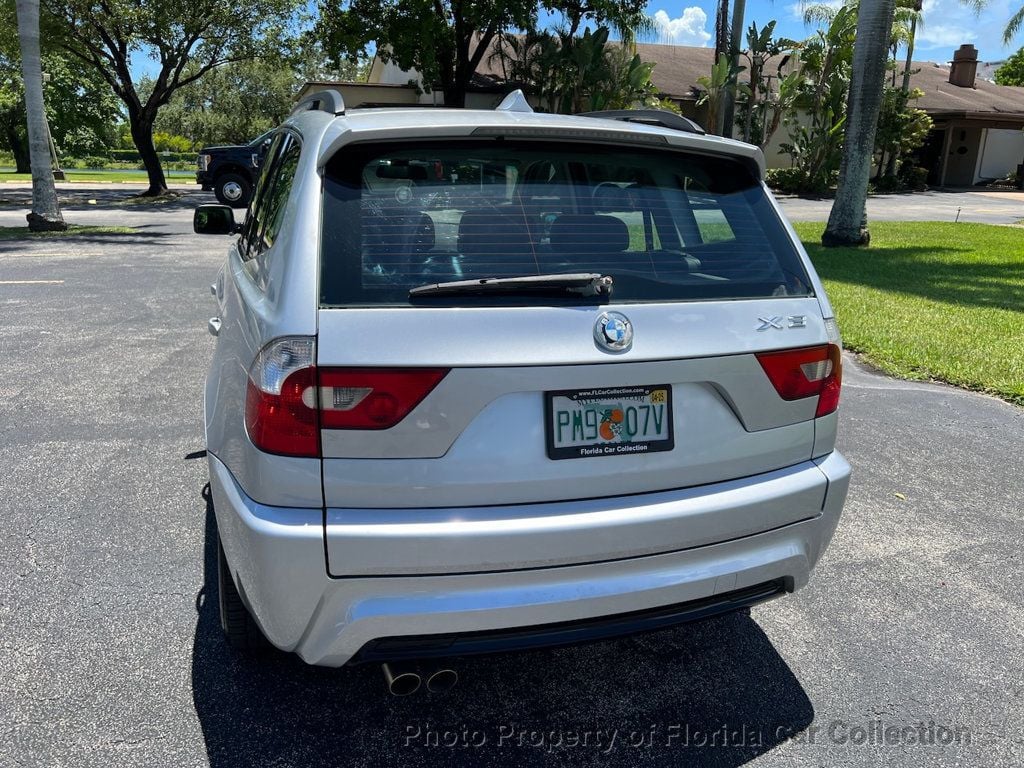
x=947 y=24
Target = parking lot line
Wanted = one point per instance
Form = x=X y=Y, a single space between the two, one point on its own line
x=31 y=282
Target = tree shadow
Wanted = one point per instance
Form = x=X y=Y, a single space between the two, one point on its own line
x=926 y=272
x=714 y=693
x=77 y=239
x=78 y=200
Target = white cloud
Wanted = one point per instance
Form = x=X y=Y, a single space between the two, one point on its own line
x=950 y=23
x=797 y=9
x=934 y=35
x=947 y=25
x=688 y=29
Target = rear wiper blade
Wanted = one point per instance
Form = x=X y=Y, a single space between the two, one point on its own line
x=582 y=284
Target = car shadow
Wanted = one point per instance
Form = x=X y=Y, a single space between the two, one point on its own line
x=713 y=693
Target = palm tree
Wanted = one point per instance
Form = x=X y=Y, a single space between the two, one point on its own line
x=1012 y=26
x=847 y=223
x=45 y=214
x=735 y=44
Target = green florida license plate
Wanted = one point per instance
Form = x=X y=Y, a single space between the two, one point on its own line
x=615 y=421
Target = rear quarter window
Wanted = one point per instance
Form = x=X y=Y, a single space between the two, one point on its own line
x=665 y=225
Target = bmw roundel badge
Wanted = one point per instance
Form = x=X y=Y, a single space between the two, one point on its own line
x=613 y=332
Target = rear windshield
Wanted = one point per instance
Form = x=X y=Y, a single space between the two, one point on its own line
x=665 y=225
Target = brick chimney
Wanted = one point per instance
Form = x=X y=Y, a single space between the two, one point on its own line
x=964 y=67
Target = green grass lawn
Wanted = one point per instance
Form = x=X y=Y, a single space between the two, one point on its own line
x=19 y=233
x=932 y=300
x=75 y=174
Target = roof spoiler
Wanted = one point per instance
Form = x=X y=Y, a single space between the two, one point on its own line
x=659 y=117
x=328 y=101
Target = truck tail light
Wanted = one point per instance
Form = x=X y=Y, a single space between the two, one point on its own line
x=372 y=398
x=806 y=372
x=279 y=416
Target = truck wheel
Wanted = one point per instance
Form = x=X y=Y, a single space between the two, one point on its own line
x=232 y=189
x=240 y=628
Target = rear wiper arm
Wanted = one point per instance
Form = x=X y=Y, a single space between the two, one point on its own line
x=582 y=284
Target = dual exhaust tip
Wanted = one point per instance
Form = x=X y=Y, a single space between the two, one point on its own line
x=405 y=680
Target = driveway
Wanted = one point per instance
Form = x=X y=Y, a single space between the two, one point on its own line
x=983 y=207
x=906 y=649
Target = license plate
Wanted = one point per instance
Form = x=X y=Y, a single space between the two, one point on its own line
x=617 y=421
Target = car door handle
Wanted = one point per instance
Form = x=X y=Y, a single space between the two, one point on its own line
x=214 y=326
x=213 y=289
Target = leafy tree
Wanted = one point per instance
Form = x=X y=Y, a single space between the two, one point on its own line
x=760 y=101
x=902 y=129
x=80 y=109
x=816 y=128
x=45 y=214
x=176 y=34
x=716 y=87
x=446 y=40
x=578 y=73
x=232 y=104
x=1011 y=72
x=847 y=222
x=626 y=17
x=235 y=103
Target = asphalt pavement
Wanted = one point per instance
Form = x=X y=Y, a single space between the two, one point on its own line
x=907 y=648
x=981 y=206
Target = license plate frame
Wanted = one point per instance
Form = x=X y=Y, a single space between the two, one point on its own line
x=599 y=446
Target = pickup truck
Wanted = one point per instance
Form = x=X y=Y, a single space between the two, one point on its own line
x=231 y=171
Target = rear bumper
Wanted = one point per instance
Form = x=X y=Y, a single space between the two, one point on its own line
x=278 y=558
x=567 y=632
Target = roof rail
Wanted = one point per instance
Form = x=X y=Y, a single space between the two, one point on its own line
x=661 y=117
x=329 y=101
x=514 y=102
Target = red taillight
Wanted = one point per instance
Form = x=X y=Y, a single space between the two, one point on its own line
x=372 y=398
x=289 y=400
x=799 y=373
x=280 y=405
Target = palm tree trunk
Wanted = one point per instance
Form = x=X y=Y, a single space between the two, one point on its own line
x=739 y=8
x=45 y=214
x=715 y=113
x=755 y=77
x=722 y=29
x=848 y=223
x=910 y=55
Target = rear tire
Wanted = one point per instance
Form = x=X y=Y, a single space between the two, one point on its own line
x=232 y=189
x=240 y=628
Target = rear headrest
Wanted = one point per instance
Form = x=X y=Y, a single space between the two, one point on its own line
x=611 y=197
x=490 y=230
x=579 y=233
x=496 y=243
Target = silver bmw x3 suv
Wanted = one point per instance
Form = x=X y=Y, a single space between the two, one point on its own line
x=487 y=380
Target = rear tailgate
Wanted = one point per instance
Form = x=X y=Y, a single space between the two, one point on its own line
x=525 y=436
x=480 y=437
